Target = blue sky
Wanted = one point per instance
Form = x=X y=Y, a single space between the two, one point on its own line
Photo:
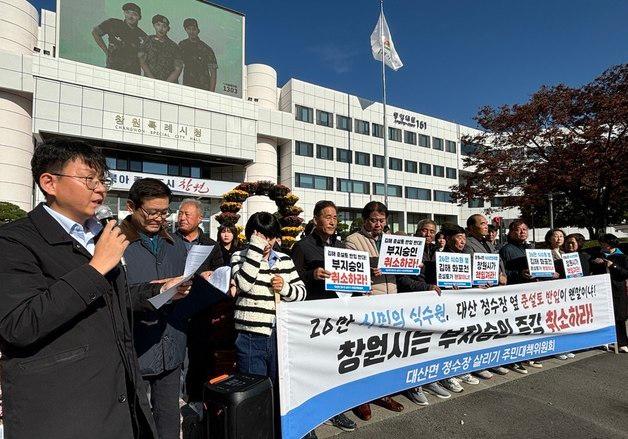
x=459 y=54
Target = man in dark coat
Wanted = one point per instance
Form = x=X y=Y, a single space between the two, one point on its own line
x=478 y=241
x=160 y=335
x=308 y=255
x=68 y=365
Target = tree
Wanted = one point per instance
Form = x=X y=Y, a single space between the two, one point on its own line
x=10 y=212
x=564 y=140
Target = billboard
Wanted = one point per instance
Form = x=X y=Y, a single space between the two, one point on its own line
x=188 y=42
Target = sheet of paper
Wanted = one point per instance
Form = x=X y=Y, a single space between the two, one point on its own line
x=196 y=257
x=221 y=278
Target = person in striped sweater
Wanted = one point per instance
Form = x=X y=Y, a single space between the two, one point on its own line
x=262 y=277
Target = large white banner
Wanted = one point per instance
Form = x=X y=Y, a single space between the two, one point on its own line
x=338 y=353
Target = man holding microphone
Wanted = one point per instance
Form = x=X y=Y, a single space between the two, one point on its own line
x=68 y=365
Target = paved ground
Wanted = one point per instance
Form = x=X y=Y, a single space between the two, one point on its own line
x=586 y=397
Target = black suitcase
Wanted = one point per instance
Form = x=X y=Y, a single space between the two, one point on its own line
x=240 y=406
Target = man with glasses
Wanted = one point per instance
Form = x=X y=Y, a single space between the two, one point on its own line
x=65 y=332
x=160 y=334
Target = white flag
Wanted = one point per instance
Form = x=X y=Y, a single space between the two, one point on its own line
x=381 y=38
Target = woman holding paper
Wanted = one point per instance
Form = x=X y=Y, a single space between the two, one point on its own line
x=574 y=242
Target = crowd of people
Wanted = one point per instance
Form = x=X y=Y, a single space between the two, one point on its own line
x=78 y=335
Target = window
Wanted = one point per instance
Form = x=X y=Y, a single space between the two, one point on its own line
x=476 y=202
x=304 y=148
x=437 y=143
x=468 y=149
x=173 y=169
x=343 y=122
x=362 y=158
x=196 y=172
x=111 y=162
x=409 y=137
x=155 y=168
x=443 y=196
x=450 y=146
x=304 y=114
x=411 y=166
x=439 y=171
x=343 y=155
x=378 y=130
x=417 y=193
x=324 y=118
x=393 y=189
x=425 y=169
x=497 y=201
x=135 y=166
x=308 y=181
x=362 y=127
x=452 y=173
x=352 y=186
x=324 y=152
x=378 y=161
x=186 y=171
x=424 y=141
x=394 y=134
x=395 y=164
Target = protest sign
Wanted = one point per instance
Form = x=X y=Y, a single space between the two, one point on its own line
x=573 y=267
x=336 y=354
x=485 y=269
x=453 y=270
x=540 y=262
x=350 y=270
x=401 y=254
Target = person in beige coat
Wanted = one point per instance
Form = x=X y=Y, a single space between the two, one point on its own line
x=369 y=239
x=375 y=216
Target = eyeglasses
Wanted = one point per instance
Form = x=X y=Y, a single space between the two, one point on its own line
x=91 y=182
x=156 y=213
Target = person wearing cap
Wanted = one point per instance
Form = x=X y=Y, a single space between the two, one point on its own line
x=199 y=60
x=159 y=56
x=124 y=39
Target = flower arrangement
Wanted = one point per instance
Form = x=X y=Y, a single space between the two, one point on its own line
x=236 y=196
x=291 y=221
x=278 y=191
x=288 y=213
x=230 y=206
x=291 y=231
x=227 y=218
x=263 y=187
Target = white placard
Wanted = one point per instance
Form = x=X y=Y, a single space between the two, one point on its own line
x=453 y=270
x=540 y=262
x=573 y=267
x=485 y=269
x=401 y=254
x=350 y=270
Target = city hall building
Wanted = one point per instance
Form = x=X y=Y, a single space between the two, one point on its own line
x=322 y=143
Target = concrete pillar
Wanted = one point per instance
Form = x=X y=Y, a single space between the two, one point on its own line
x=262 y=85
x=19 y=23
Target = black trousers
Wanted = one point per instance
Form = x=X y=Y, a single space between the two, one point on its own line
x=620 y=329
x=164 y=401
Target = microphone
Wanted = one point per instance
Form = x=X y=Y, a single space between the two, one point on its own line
x=104 y=214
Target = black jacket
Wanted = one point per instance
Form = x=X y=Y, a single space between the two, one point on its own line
x=215 y=258
x=408 y=283
x=515 y=262
x=160 y=335
x=68 y=365
x=308 y=254
x=619 y=276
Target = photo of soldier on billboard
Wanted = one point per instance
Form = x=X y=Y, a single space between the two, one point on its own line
x=192 y=43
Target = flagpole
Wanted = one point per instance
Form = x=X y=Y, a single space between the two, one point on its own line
x=381 y=40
